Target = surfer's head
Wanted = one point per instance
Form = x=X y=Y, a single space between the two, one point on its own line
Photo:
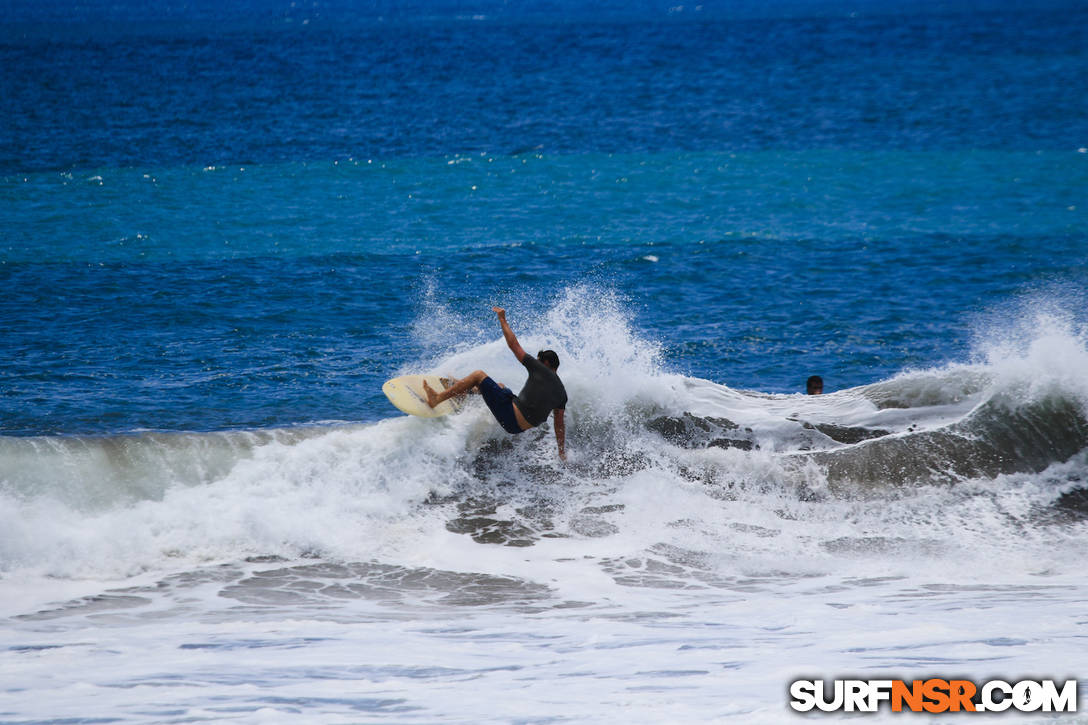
x=815 y=385
x=549 y=358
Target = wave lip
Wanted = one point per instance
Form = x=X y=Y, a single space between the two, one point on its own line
x=1030 y=408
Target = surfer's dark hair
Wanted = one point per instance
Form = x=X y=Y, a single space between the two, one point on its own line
x=549 y=358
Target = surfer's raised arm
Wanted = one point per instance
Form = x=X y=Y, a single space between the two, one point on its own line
x=511 y=338
x=542 y=395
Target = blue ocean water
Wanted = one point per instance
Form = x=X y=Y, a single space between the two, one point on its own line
x=204 y=298
x=222 y=227
x=222 y=218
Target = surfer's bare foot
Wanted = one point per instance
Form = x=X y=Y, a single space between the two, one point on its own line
x=432 y=397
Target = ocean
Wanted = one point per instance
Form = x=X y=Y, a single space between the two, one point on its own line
x=225 y=226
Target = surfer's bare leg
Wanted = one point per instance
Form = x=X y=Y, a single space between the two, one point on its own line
x=449 y=382
x=461 y=387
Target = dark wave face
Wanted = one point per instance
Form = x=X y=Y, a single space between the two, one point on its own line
x=992 y=440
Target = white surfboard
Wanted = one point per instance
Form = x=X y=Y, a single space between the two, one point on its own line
x=406 y=392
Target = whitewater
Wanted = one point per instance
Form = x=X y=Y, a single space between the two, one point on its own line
x=703 y=547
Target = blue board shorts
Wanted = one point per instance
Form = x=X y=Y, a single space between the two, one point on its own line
x=501 y=402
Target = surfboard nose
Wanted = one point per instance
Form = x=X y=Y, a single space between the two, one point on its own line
x=407 y=394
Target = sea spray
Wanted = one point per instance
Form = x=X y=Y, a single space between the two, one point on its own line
x=142 y=501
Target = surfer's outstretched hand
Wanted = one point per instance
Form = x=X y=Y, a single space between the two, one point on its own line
x=499 y=311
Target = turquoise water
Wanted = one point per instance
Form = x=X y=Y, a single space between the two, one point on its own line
x=224 y=297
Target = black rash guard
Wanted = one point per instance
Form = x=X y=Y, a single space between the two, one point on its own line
x=543 y=392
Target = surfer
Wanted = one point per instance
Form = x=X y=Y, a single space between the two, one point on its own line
x=543 y=392
x=814 y=385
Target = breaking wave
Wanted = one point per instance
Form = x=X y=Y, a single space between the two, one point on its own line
x=663 y=468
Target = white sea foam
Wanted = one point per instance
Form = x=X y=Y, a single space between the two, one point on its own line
x=112 y=506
